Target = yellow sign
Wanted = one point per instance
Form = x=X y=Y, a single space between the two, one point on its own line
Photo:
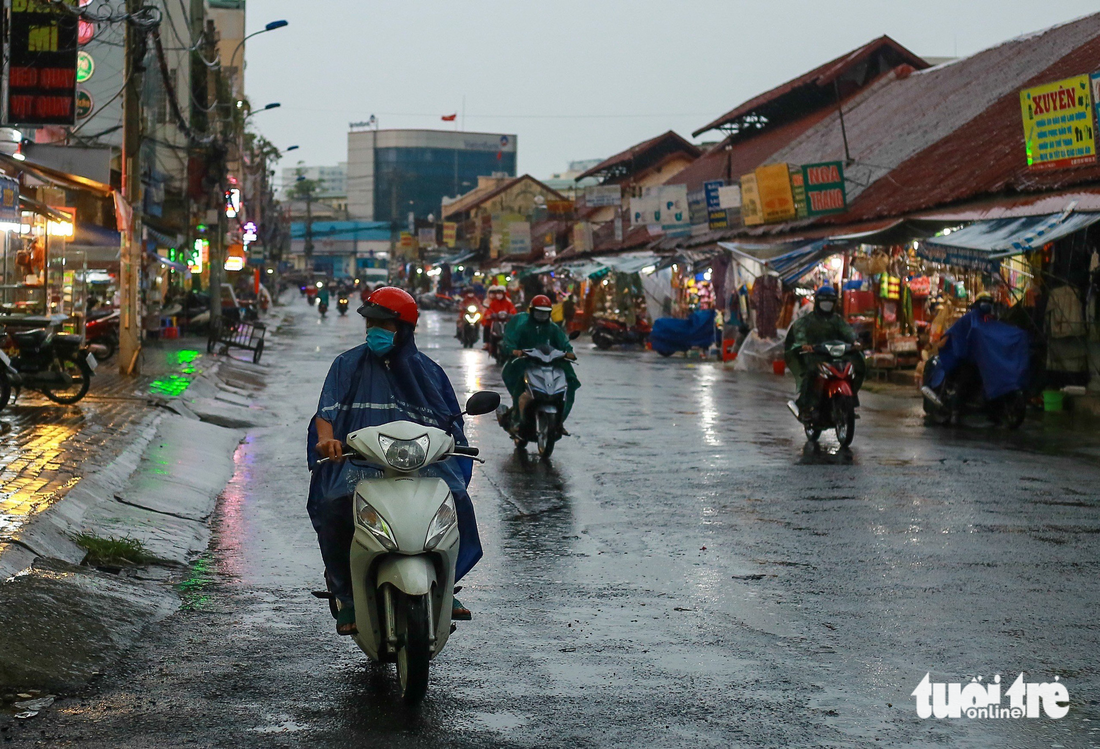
x=751 y=212
x=450 y=233
x=1058 y=127
x=773 y=183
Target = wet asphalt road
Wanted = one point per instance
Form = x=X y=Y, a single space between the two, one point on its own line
x=687 y=572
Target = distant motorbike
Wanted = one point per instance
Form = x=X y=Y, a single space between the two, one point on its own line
x=836 y=395
x=322 y=307
x=101 y=333
x=607 y=333
x=961 y=393
x=543 y=417
x=496 y=337
x=471 y=326
x=342 y=305
x=57 y=365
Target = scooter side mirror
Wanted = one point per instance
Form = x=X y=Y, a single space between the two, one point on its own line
x=574 y=335
x=482 y=402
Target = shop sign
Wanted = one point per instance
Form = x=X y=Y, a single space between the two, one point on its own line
x=85 y=32
x=798 y=190
x=85 y=67
x=559 y=207
x=199 y=252
x=9 y=200
x=773 y=185
x=42 y=63
x=824 y=186
x=665 y=206
x=582 y=236
x=716 y=215
x=729 y=197
x=426 y=237
x=1059 y=130
x=603 y=195
x=751 y=212
x=407 y=241
x=450 y=233
x=84 y=104
x=1094 y=80
x=519 y=238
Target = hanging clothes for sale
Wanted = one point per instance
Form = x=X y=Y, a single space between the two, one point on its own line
x=766 y=302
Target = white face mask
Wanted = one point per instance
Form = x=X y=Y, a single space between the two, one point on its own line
x=826 y=306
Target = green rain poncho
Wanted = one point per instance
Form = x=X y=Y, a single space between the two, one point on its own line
x=524 y=333
x=813 y=329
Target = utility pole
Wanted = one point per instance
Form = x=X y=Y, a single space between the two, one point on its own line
x=129 y=360
x=216 y=159
x=307 y=249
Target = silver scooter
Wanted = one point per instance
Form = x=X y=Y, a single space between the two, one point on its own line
x=406 y=544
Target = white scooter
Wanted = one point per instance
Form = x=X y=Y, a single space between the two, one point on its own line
x=406 y=545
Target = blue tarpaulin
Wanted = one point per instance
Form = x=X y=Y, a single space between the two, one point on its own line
x=983 y=244
x=999 y=350
x=671 y=335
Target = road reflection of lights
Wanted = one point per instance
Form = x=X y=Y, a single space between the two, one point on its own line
x=233 y=524
x=705 y=379
x=23 y=492
x=472 y=372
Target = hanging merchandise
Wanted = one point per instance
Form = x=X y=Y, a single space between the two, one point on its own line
x=920 y=285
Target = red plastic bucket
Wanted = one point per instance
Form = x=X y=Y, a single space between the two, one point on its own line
x=779 y=366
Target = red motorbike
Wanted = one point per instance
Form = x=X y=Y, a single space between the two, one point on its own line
x=833 y=380
x=101 y=333
x=607 y=333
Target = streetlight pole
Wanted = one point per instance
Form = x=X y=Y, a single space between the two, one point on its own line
x=269 y=27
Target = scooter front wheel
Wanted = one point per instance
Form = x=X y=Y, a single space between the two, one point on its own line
x=414 y=656
x=545 y=438
x=844 y=416
x=812 y=432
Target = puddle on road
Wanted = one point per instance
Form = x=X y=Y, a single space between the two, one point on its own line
x=28 y=478
x=193 y=591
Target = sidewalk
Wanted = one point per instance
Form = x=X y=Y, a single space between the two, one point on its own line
x=141 y=458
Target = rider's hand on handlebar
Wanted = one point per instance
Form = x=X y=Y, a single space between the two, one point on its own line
x=331 y=449
x=571 y=356
x=517 y=353
x=857 y=346
x=807 y=349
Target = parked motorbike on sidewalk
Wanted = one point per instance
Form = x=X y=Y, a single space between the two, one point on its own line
x=607 y=333
x=101 y=333
x=471 y=326
x=836 y=402
x=496 y=337
x=57 y=365
x=406 y=544
x=342 y=305
x=961 y=393
x=542 y=417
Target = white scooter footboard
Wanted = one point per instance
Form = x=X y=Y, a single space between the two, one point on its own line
x=412 y=575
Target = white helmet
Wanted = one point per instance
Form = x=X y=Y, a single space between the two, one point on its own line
x=496 y=287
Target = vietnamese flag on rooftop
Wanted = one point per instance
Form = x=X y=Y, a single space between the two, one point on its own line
x=450 y=117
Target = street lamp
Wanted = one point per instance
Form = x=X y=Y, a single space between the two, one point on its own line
x=269 y=27
x=272 y=105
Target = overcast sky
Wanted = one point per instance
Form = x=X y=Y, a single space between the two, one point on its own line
x=575 y=79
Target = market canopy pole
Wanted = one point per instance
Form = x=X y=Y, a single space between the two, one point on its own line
x=129 y=360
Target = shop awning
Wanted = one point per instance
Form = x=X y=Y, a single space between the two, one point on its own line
x=459 y=258
x=28 y=204
x=984 y=243
x=165 y=240
x=55 y=177
x=629 y=264
x=163 y=261
x=797 y=263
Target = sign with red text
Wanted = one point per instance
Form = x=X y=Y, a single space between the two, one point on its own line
x=42 y=63
x=1059 y=130
x=824 y=188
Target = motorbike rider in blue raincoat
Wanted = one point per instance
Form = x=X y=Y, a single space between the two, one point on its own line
x=383 y=380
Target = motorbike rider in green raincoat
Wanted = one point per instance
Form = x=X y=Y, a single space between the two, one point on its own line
x=822 y=325
x=529 y=330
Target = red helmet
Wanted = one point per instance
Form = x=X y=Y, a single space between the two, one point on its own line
x=541 y=301
x=389 y=303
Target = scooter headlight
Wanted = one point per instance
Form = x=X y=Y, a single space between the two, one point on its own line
x=471 y=309
x=404 y=455
x=373 y=521
x=446 y=517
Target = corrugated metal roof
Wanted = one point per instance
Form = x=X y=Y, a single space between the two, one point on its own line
x=820 y=77
x=951 y=132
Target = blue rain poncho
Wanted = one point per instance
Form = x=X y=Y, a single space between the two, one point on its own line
x=364 y=390
x=999 y=350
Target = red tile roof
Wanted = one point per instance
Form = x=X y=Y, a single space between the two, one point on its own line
x=889 y=53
